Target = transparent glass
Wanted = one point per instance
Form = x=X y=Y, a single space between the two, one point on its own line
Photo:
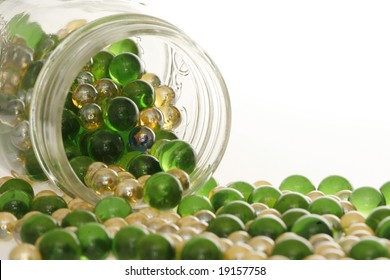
x=85 y=28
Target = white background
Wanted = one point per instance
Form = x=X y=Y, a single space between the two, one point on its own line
x=308 y=81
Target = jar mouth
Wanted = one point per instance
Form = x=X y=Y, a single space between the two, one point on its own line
x=207 y=130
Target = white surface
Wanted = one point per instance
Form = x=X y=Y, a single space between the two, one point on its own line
x=308 y=81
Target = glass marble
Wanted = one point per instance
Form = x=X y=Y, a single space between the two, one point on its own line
x=91 y=170
x=225 y=224
x=70 y=125
x=365 y=199
x=16 y=202
x=124 y=246
x=121 y=113
x=112 y=206
x=172 y=117
x=294 y=248
x=308 y=225
x=127 y=158
x=155 y=247
x=243 y=187
x=156 y=147
x=177 y=154
x=60 y=244
x=201 y=248
x=165 y=95
x=291 y=200
x=182 y=176
x=7 y=225
x=383 y=228
x=297 y=183
x=193 y=203
x=290 y=216
x=143 y=164
x=91 y=116
x=18 y=184
x=124 y=68
x=368 y=249
x=268 y=225
x=376 y=216
x=129 y=189
x=385 y=190
x=94 y=240
x=20 y=136
x=125 y=45
x=103 y=181
x=152 y=79
x=106 y=88
x=48 y=204
x=84 y=94
x=35 y=226
x=241 y=209
x=32 y=166
x=326 y=205
x=333 y=184
x=78 y=217
x=152 y=118
x=105 y=146
x=223 y=196
x=265 y=194
x=84 y=77
x=25 y=251
x=162 y=191
x=100 y=64
x=47 y=44
x=141 y=138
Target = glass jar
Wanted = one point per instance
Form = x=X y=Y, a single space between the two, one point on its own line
x=58 y=38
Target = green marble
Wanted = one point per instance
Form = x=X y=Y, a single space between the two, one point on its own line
x=265 y=194
x=308 y=225
x=296 y=248
x=201 y=248
x=80 y=165
x=177 y=154
x=292 y=215
x=124 y=245
x=376 y=216
x=268 y=225
x=291 y=200
x=326 y=205
x=100 y=64
x=155 y=247
x=141 y=92
x=78 y=217
x=143 y=164
x=125 y=45
x=369 y=249
x=333 y=184
x=193 y=203
x=243 y=187
x=121 y=113
x=95 y=241
x=223 y=196
x=48 y=204
x=124 y=68
x=17 y=184
x=365 y=199
x=106 y=146
x=35 y=226
x=162 y=191
x=297 y=183
x=60 y=244
x=241 y=209
x=17 y=202
x=225 y=224
x=112 y=206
